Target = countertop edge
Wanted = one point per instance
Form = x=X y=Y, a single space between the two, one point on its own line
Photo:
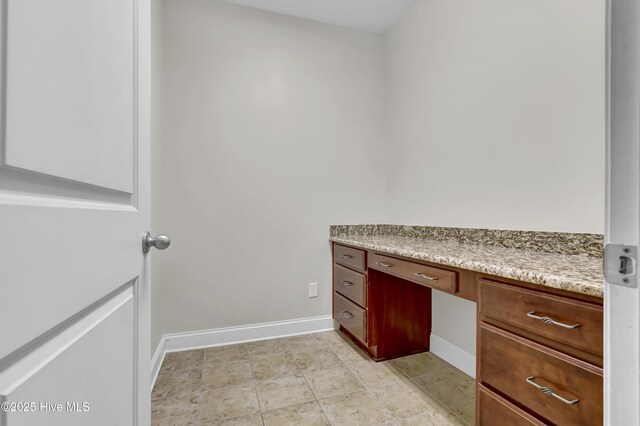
x=539 y=278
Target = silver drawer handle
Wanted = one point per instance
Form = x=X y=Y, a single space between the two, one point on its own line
x=545 y=390
x=384 y=264
x=346 y=283
x=346 y=256
x=548 y=320
x=346 y=314
x=426 y=277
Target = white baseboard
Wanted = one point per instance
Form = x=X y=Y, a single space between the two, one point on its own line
x=231 y=335
x=176 y=342
x=156 y=361
x=454 y=355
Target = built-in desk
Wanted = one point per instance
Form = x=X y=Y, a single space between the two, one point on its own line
x=539 y=317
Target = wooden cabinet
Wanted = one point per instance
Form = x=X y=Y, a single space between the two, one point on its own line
x=387 y=316
x=350 y=316
x=498 y=411
x=438 y=278
x=350 y=292
x=540 y=352
x=350 y=284
x=350 y=257
x=553 y=385
x=560 y=319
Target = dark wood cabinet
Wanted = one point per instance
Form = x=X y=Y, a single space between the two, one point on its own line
x=556 y=386
x=387 y=316
x=498 y=411
x=540 y=350
x=351 y=317
x=350 y=257
x=351 y=284
x=429 y=276
x=568 y=321
x=400 y=316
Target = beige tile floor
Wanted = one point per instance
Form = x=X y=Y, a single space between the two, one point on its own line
x=314 y=379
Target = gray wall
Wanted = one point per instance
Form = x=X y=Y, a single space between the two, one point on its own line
x=156 y=167
x=496 y=120
x=273 y=129
x=472 y=114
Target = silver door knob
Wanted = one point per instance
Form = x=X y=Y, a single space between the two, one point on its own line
x=160 y=242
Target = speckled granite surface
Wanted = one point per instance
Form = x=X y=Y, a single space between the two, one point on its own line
x=580 y=273
x=548 y=242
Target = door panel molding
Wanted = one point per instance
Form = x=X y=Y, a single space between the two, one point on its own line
x=18 y=181
x=78 y=335
x=20 y=364
x=25 y=170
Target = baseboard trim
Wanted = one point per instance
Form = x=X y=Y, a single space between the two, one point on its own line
x=454 y=355
x=156 y=361
x=177 y=342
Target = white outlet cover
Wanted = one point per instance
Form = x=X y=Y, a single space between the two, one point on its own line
x=313 y=289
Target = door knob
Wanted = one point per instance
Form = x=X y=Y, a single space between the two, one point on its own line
x=160 y=242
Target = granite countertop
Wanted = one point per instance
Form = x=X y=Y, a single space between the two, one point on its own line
x=545 y=265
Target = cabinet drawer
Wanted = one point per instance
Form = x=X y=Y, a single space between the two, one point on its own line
x=350 y=257
x=574 y=323
x=429 y=276
x=517 y=367
x=494 y=410
x=351 y=316
x=350 y=284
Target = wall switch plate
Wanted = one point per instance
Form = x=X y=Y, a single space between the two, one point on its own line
x=313 y=290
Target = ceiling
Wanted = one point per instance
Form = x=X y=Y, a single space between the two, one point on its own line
x=374 y=16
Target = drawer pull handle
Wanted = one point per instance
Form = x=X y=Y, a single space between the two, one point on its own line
x=346 y=256
x=346 y=314
x=545 y=390
x=426 y=277
x=548 y=320
x=384 y=264
x=346 y=283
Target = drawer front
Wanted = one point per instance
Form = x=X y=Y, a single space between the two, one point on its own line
x=350 y=257
x=351 y=316
x=494 y=410
x=517 y=367
x=350 y=284
x=577 y=324
x=437 y=278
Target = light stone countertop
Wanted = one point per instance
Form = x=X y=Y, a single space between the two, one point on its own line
x=575 y=273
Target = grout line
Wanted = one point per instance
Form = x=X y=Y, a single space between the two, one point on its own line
x=204 y=357
x=329 y=345
x=317 y=401
x=434 y=397
x=365 y=387
x=416 y=383
x=255 y=385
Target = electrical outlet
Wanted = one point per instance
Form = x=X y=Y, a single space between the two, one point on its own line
x=313 y=290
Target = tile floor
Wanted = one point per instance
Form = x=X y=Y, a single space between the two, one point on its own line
x=314 y=379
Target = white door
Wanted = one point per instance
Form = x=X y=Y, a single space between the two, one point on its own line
x=622 y=297
x=74 y=203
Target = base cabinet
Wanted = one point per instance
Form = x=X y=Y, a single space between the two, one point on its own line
x=493 y=410
x=386 y=315
x=539 y=353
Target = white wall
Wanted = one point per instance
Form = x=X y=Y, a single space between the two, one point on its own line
x=471 y=114
x=496 y=120
x=156 y=166
x=273 y=130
